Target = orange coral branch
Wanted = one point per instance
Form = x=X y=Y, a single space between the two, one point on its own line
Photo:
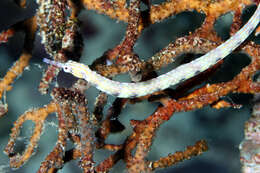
x=257 y=30
x=117 y=9
x=14 y=72
x=179 y=156
x=17 y=69
x=37 y=116
x=114 y=9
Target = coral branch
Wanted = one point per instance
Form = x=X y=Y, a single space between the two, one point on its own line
x=55 y=158
x=158 y=12
x=59 y=30
x=5 y=35
x=114 y=9
x=14 y=72
x=37 y=116
x=250 y=146
x=179 y=156
x=29 y=27
x=167 y=55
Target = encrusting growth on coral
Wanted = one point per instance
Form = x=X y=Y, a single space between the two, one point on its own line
x=60 y=32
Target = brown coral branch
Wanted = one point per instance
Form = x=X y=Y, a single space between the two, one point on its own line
x=87 y=138
x=55 y=159
x=50 y=73
x=189 y=44
x=62 y=40
x=71 y=47
x=109 y=162
x=52 y=30
x=209 y=94
x=106 y=126
x=77 y=101
x=195 y=100
x=5 y=35
x=132 y=33
x=100 y=102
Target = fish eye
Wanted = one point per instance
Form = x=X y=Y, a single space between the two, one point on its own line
x=66 y=68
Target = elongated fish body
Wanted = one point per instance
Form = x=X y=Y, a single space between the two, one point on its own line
x=177 y=75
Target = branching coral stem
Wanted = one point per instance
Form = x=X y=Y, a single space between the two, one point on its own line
x=181 y=73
